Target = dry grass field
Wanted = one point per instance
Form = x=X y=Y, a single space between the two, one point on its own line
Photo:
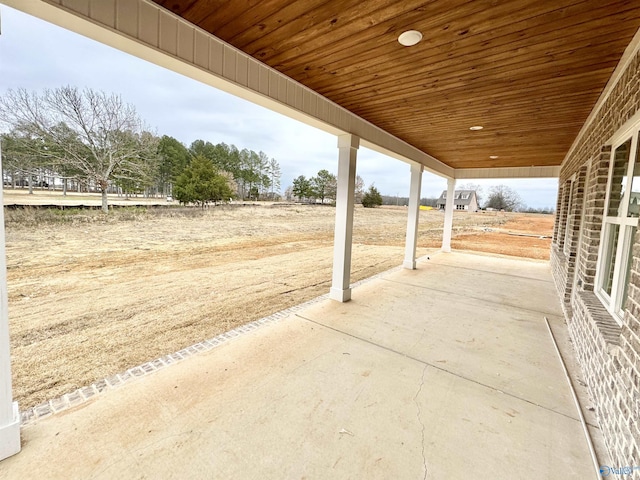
x=92 y=295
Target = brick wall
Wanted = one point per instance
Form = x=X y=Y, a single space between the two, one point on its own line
x=565 y=248
x=559 y=272
x=596 y=186
x=628 y=365
x=609 y=354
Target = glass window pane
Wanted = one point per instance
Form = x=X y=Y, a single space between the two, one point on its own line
x=634 y=195
x=610 y=259
x=618 y=179
x=628 y=269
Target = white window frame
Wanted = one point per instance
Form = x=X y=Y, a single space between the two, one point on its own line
x=567 y=234
x=614 y=302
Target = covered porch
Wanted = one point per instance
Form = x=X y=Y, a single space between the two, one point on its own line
x=445 y=371
x=445 y=368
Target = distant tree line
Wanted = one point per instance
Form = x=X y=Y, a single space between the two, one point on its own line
x=322 y=188
x=394 y=200
x=545 y=210
x=404 y=201
x=93 y=141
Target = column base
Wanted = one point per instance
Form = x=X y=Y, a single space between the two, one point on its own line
x=446 y=249
x=10 y=435
x=339 y=294
x=409 y=264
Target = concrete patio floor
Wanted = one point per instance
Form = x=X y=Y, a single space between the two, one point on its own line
x=443 y=372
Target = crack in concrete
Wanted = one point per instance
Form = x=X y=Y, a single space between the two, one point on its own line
x=424 y=332
x=441 y=369
x=418 y=415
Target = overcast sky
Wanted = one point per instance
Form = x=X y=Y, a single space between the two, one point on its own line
x=37 y=55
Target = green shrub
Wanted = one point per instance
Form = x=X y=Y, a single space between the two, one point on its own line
x=372 y=198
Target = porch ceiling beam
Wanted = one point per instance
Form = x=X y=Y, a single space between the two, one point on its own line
x=148 y=31
x=507 y=172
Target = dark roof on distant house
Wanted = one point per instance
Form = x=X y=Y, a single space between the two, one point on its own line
x=462 y=197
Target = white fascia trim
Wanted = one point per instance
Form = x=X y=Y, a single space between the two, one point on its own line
x=507 y=172
x=430 y=164
x=148 y=31
x=628 y=55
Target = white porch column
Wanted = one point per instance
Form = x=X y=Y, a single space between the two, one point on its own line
x=448 y=215
x=9 y=414
x=347 y=152
x=413 y=216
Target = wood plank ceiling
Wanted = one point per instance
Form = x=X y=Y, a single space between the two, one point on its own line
x=528 y=71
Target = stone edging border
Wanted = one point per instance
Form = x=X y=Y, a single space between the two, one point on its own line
x=83 y=394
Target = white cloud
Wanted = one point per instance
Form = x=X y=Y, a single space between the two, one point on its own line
x=187 y=110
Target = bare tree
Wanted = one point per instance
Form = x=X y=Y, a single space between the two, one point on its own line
x=18 y=159
x=325 y=185
x=502 y=197
x=359 y=189
x=274 y=174
x=93 y=134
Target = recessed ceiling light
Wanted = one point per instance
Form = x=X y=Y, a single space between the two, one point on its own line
x=409 y=38
x=493 y=157
x=476 y=127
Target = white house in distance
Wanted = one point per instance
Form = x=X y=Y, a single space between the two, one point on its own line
x=464 y=200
